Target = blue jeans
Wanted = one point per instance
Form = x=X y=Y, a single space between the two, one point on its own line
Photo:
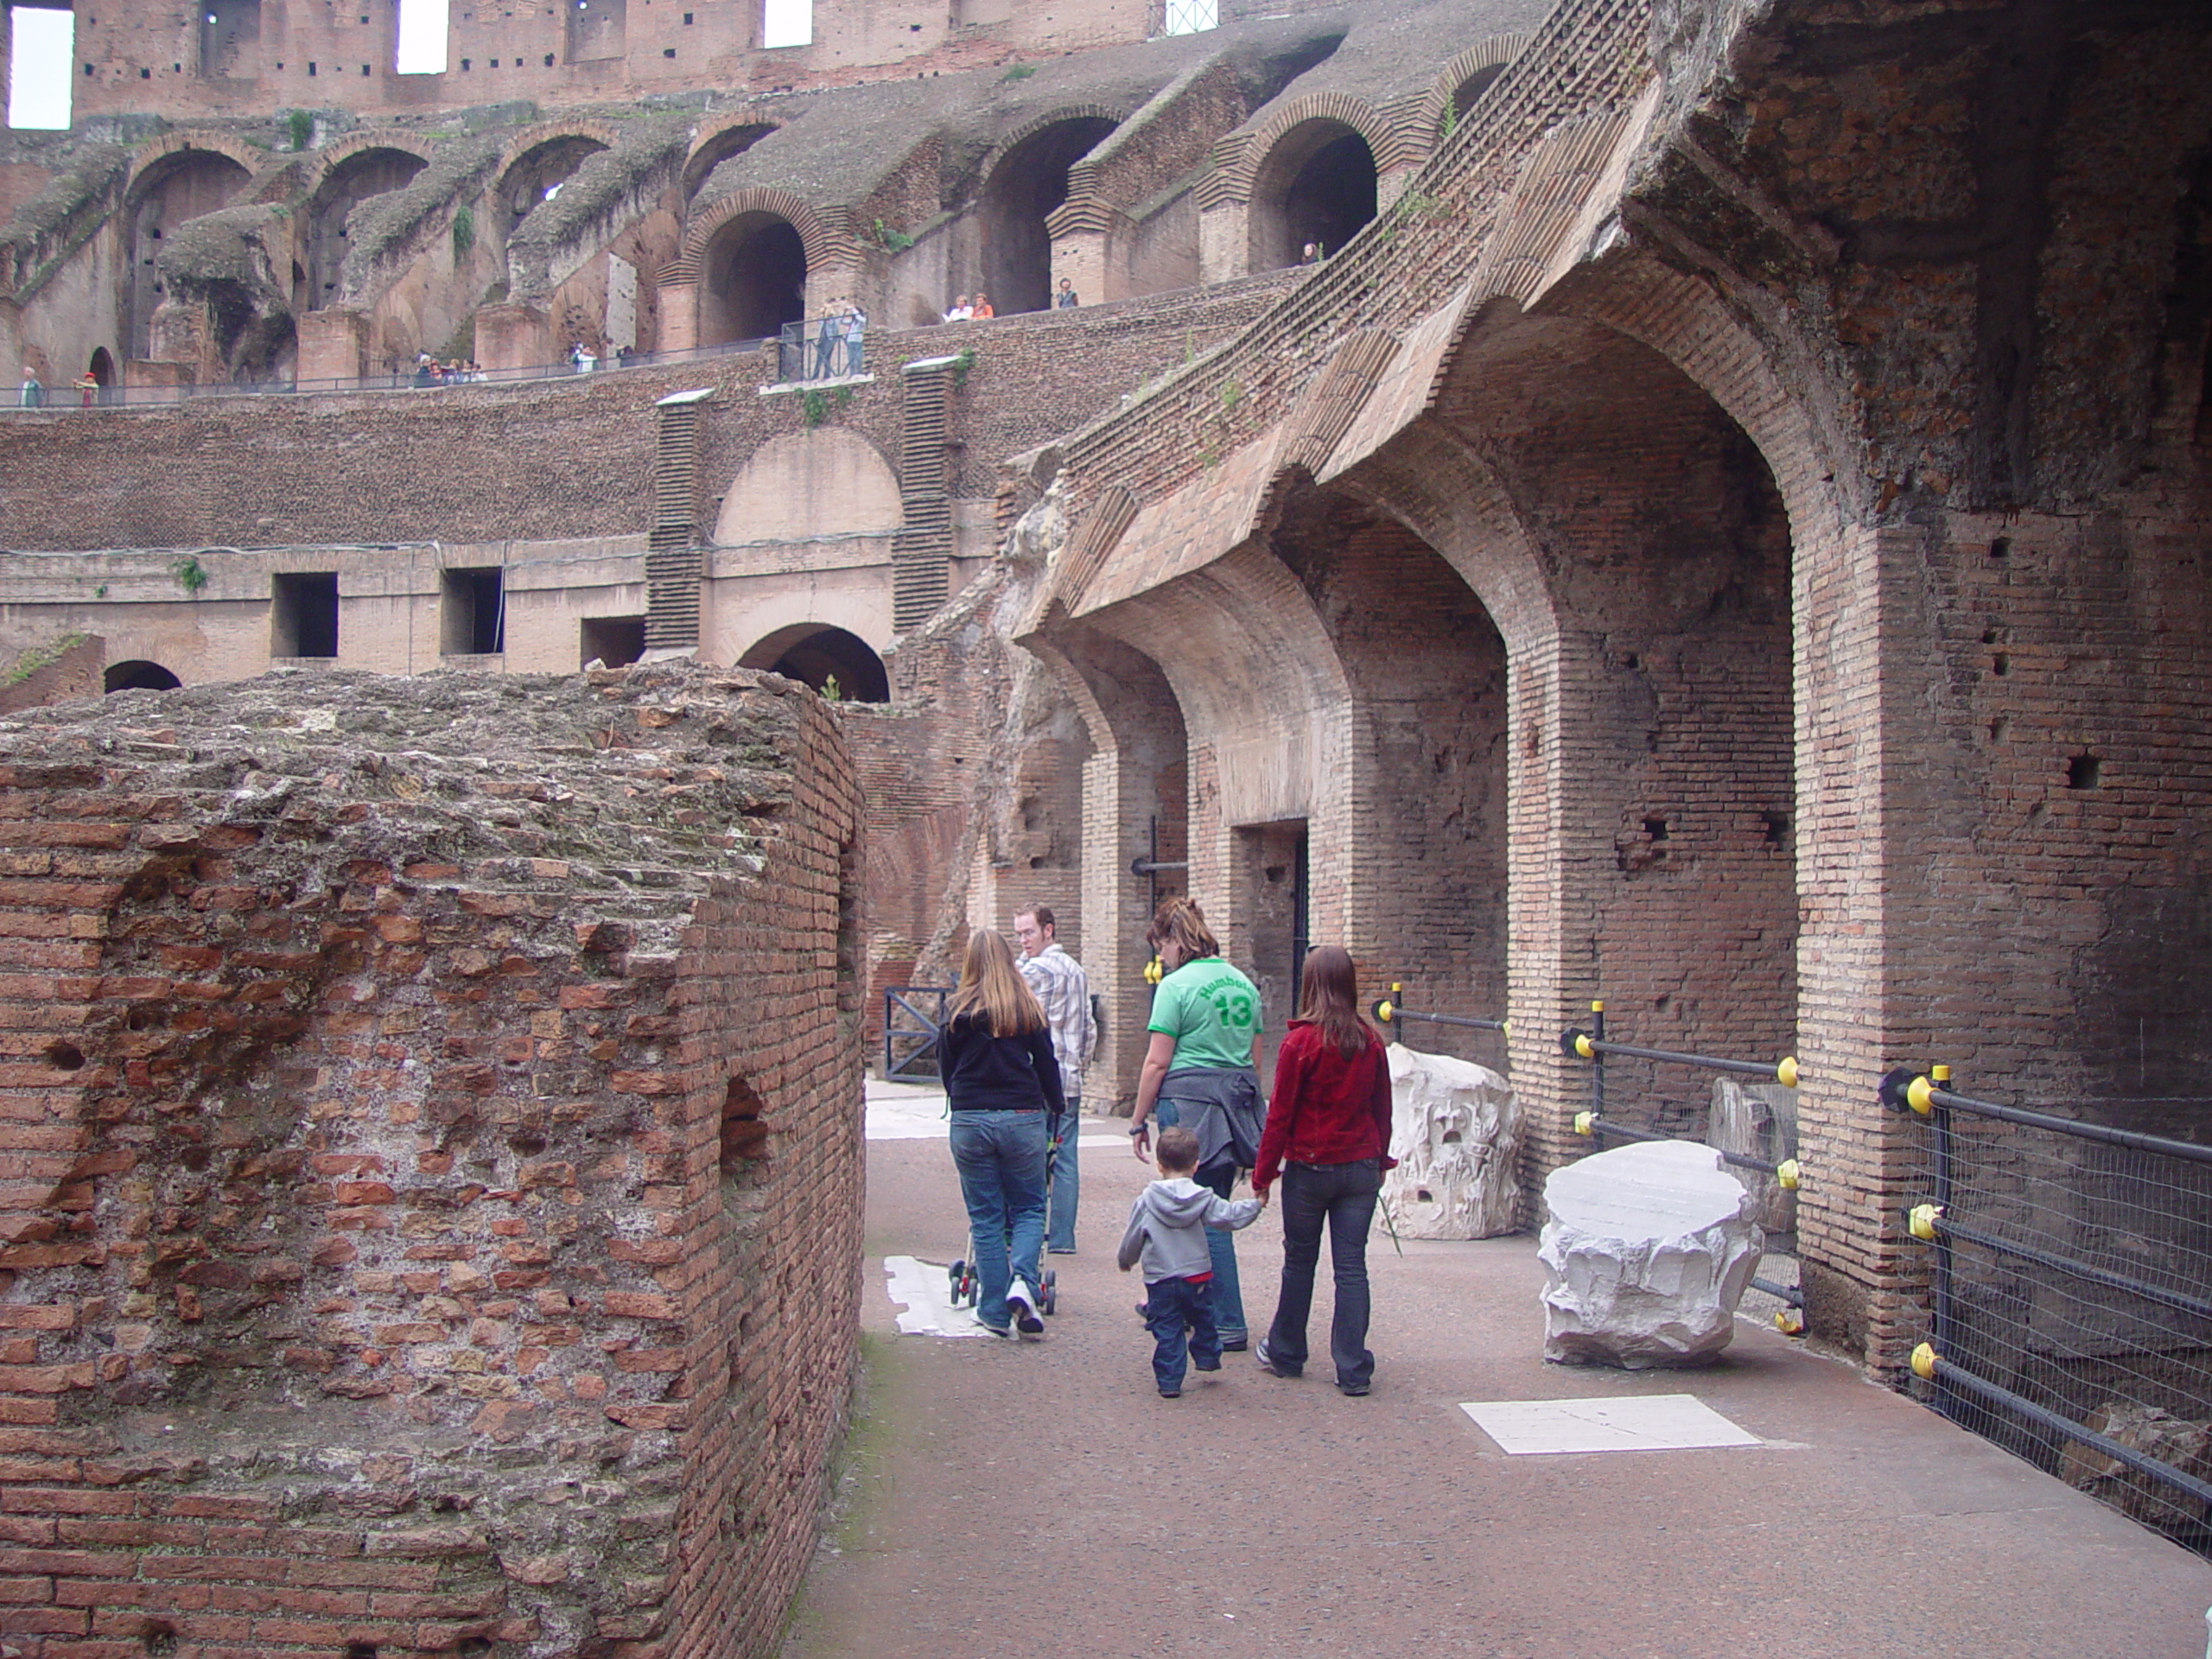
x=1000 y=1158
x=1060 y=1225
x=1176 y=1309
x=1221 y=1243
x=1344 y=1195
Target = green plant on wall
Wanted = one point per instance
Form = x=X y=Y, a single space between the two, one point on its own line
x=1231 y=395
x=190 y=574
x=1019 y=71
x=892 y=241
x=464 y=233
x=299 y=124
x=961 y=364
x=814 y=408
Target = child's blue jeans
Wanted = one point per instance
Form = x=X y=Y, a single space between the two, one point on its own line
x=1179 y=1314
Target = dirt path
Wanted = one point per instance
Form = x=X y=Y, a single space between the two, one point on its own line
x=1041 y=1500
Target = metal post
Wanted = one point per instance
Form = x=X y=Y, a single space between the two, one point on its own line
x=1940 y=1281
x=1597 y=1062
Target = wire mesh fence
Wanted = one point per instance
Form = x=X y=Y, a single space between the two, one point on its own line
x=2069 y=1293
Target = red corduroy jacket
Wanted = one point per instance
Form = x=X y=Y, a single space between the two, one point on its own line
x=1326 y=1109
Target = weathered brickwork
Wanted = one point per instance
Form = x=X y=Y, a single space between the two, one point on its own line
x=432 y=1150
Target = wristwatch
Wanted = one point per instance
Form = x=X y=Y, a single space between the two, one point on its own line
x=1140 y=1128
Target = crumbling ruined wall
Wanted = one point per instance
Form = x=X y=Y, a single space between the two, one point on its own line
x=432 y=1135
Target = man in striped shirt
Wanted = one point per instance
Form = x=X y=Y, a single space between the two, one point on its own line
x=1058 y=982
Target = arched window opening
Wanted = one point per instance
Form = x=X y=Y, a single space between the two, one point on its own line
x=1464 y=97
x=541 y=171
x=834 y=663
x=352 y=181
x=733 y=140
x=102 y=369
x=230 y=40
x=178 y=187
x=140 y=676
x=1315 y=191
x=756 y=280
x=1030 y=180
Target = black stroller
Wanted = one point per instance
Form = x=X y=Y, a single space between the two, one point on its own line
x=967 y=1288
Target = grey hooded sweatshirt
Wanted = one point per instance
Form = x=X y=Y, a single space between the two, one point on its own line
x=1167 y=1227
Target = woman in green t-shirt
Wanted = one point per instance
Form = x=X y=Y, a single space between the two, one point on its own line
x=1201 y=1071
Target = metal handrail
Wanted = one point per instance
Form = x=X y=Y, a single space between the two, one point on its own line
x=1393 y=1008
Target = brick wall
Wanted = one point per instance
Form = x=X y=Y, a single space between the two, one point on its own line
x=418 y=1233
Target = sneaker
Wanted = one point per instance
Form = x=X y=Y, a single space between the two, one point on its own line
x=1268 y=1363
x=1171 y=1393
x=1006 y=1330
x=1234 y=1345
x=1352 y=1390
x=1061 y=1249
x=1021 y=1302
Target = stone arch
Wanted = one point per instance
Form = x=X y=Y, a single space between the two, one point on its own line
x=815 y=652
x=176 y=181
x=801 y=486
x=1314 y=185
x=352 y=173
x=1240 y=156
x=715 y=145
x=101 y=367
x=139 y=675
x=827 y=241
x=541 y=164
x=1469 y=76
x=753 y=279
x=1024 y=180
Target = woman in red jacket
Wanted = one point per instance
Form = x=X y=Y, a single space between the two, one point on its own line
x=1328 y=1135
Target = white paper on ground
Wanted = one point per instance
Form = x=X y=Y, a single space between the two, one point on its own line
x=1651 y=1422
x=924 y=1293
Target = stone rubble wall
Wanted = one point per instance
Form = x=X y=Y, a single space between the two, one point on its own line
x=430 y=1128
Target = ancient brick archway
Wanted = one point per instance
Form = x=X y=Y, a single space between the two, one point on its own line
x=350 y=180
x=1028 y=181
x=173 y=187
x=1315 y=189
x=827 y=658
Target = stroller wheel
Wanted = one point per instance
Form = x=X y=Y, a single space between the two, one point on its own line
x=957 y=1273
x=1049 y=1291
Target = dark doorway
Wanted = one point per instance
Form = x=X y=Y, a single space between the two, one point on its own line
x=615 y=641
x=1029 y=182
x=139 y=675
x=303 y=615
x=473 y=617
x=756 y=280
x=819 y=655
x=1317 y=188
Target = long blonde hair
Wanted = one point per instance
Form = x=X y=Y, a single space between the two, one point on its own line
x=992 y=991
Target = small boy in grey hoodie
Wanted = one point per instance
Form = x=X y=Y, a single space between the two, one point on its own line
x=1167 y=1228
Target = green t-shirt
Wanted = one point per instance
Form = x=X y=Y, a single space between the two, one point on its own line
x=1211 y=1010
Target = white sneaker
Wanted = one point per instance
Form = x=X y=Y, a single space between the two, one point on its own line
x=1021 y=1302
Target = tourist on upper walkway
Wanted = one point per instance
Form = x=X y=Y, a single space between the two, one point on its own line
x=1172 y=1227
x=828 y=344
x=982 y=309
x=1003 y=1086
x=1061 y=987
x=855 y=334
x=33 y=393
x=1328 y=1135
x=1065 y=299
x=1201 y=1071
x=960 y=311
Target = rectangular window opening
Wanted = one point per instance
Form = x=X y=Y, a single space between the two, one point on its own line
x=424 y=30
x=303 y=615
x=1183 y=16
x=787 y=23
x=41 y=45
x=473 y=620
x=611 y=641
x=230 y=40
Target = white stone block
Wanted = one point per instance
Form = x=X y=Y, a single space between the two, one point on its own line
x=1758 y=1120
x=1646 y=1255
x=1455 y=1130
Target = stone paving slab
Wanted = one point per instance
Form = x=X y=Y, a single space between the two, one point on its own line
x=1011 y=1500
